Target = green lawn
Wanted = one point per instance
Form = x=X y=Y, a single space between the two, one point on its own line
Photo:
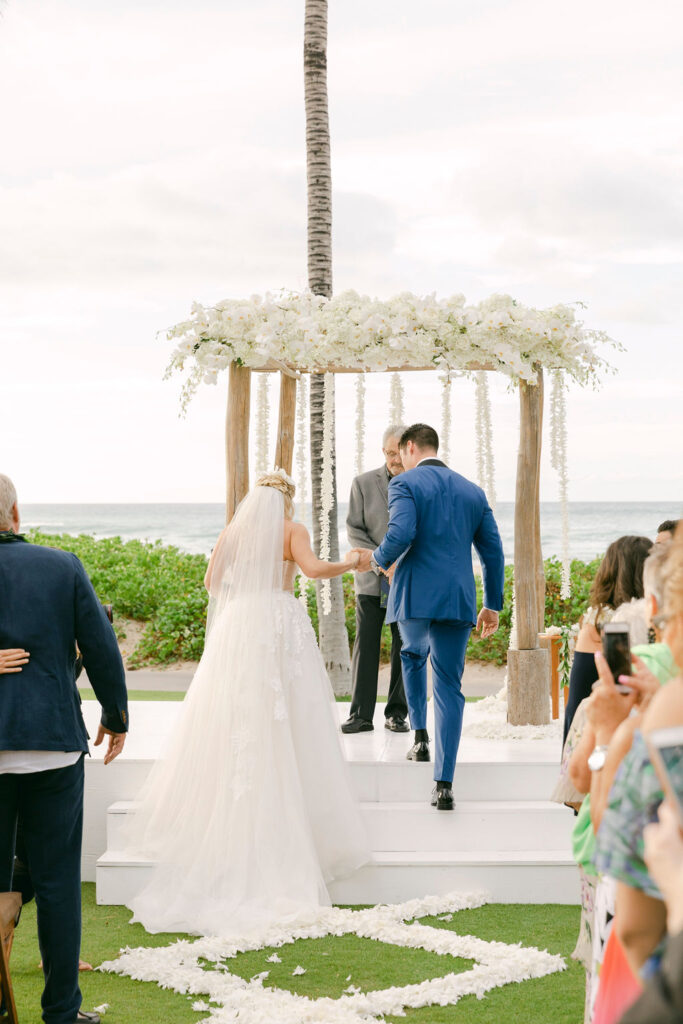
x=87 y=694
x=556 y=999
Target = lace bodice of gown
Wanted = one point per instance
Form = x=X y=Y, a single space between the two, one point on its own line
x=289 y=571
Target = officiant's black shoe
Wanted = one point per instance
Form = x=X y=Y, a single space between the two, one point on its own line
x=87 y=1018
x=396 y=724
x=356 y=725
x=442 y=797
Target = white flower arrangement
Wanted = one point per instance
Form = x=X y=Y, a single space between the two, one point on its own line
x=311 y=333
x=396 y=399
x=486 y=471
x=178 y=966
x=262 y=413
x=326 y=486
x=445 y=446
x=360 y=423
x=558 y=460
x=302 y=465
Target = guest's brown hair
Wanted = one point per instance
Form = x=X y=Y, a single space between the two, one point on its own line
x=620 y=576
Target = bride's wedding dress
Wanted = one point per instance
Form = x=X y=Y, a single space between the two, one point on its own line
x=249 y=813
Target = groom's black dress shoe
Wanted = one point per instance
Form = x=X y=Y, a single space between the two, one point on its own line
x=420 y=749
x=356 y=725
x=442 y=797
x=87 y=1018
x=396 y=724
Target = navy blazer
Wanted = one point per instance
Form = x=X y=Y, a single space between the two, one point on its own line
x=47 y=605
x=435 y=516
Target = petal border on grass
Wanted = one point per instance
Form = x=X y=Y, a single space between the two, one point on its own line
x=177 y=966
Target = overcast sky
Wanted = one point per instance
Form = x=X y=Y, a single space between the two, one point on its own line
x=153 y=154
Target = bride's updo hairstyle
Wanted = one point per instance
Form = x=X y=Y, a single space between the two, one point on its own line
x=283 y=483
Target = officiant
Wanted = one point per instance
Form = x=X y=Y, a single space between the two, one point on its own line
x=366 y=525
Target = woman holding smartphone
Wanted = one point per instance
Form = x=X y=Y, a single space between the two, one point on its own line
x=618 y=581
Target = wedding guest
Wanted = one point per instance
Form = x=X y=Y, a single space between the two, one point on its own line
x=662 y=1000
x=654 y=667
x=666 y=530
x=366 y=524
x=619 y=579
x=631 y=897
x=48 y=606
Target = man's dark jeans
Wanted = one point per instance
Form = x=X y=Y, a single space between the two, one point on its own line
x=49 y=806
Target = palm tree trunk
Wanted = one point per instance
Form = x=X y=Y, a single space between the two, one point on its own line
x=333 y=637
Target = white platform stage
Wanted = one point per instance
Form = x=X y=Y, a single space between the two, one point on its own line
x=504 y=835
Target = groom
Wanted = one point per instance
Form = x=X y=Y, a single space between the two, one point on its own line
x=435 y=516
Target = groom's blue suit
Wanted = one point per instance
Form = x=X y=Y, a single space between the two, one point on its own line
x=435 y=516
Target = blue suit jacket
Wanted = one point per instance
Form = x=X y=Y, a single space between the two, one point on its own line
x=47 y=605
x=435 y=516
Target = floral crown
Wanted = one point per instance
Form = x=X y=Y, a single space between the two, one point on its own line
x=280 y=480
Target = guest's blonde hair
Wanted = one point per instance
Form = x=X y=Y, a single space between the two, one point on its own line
x=8 y=499
x=672 y=577
x=283 y=483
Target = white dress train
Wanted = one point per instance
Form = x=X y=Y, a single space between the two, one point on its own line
x=250 y=812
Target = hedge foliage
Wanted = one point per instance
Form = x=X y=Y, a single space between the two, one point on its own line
x=163 y=587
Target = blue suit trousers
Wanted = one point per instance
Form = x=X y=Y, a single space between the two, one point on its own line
x=445 y=644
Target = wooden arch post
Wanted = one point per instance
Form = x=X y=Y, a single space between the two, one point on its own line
x=528 y=702
x=237 y=438
x=284 y=448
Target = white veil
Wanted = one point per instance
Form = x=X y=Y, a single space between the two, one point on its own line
x=247 y=560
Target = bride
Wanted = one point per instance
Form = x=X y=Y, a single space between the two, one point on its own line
x=249 y=813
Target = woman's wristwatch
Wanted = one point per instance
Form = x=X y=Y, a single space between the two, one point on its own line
x=597 y=759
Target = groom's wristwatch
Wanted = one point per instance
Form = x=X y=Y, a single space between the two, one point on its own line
x=374 y=566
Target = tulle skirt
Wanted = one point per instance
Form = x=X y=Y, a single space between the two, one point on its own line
x=250 y=812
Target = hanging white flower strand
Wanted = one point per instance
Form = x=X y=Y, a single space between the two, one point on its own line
x=445 y=449
x=360 y=423
x=326 y=486
x=558 y=460
x=262 y=416
x=302 y=465
x=396 y=402
x=486 y=472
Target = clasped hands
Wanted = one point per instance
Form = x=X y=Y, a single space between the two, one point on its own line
x=360 y=559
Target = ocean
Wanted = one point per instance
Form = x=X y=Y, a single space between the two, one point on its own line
x=194 y=528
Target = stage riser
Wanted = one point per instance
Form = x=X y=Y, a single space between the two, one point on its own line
x=404 y=827
x=505 y=883
x=380 y=782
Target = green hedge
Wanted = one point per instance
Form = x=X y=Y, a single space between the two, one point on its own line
x=163 y=587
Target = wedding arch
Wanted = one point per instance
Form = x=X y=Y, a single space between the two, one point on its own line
x=295 y=334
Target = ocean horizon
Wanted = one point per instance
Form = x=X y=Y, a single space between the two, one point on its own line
x=194 y=527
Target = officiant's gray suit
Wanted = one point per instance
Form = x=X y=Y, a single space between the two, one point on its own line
x=366 y=523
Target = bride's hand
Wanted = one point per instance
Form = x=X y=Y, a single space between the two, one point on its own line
x=352 y=557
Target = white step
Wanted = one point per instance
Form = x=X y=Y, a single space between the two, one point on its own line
x=530 y=877
x=474 y=780
x=409 y=826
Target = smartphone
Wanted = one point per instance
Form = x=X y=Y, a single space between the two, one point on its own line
x=665 y=747
x=616 y=646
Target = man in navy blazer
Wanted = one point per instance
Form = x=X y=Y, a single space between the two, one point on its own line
x=435 y=516
x=47 y=606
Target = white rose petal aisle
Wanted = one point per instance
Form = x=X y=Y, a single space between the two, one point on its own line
x=231 y=998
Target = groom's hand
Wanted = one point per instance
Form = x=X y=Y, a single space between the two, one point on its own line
x=487 y=622
x=364 y=555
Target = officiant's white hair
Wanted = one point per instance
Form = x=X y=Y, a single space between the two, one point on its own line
x=393 y=430
x=8 y=499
